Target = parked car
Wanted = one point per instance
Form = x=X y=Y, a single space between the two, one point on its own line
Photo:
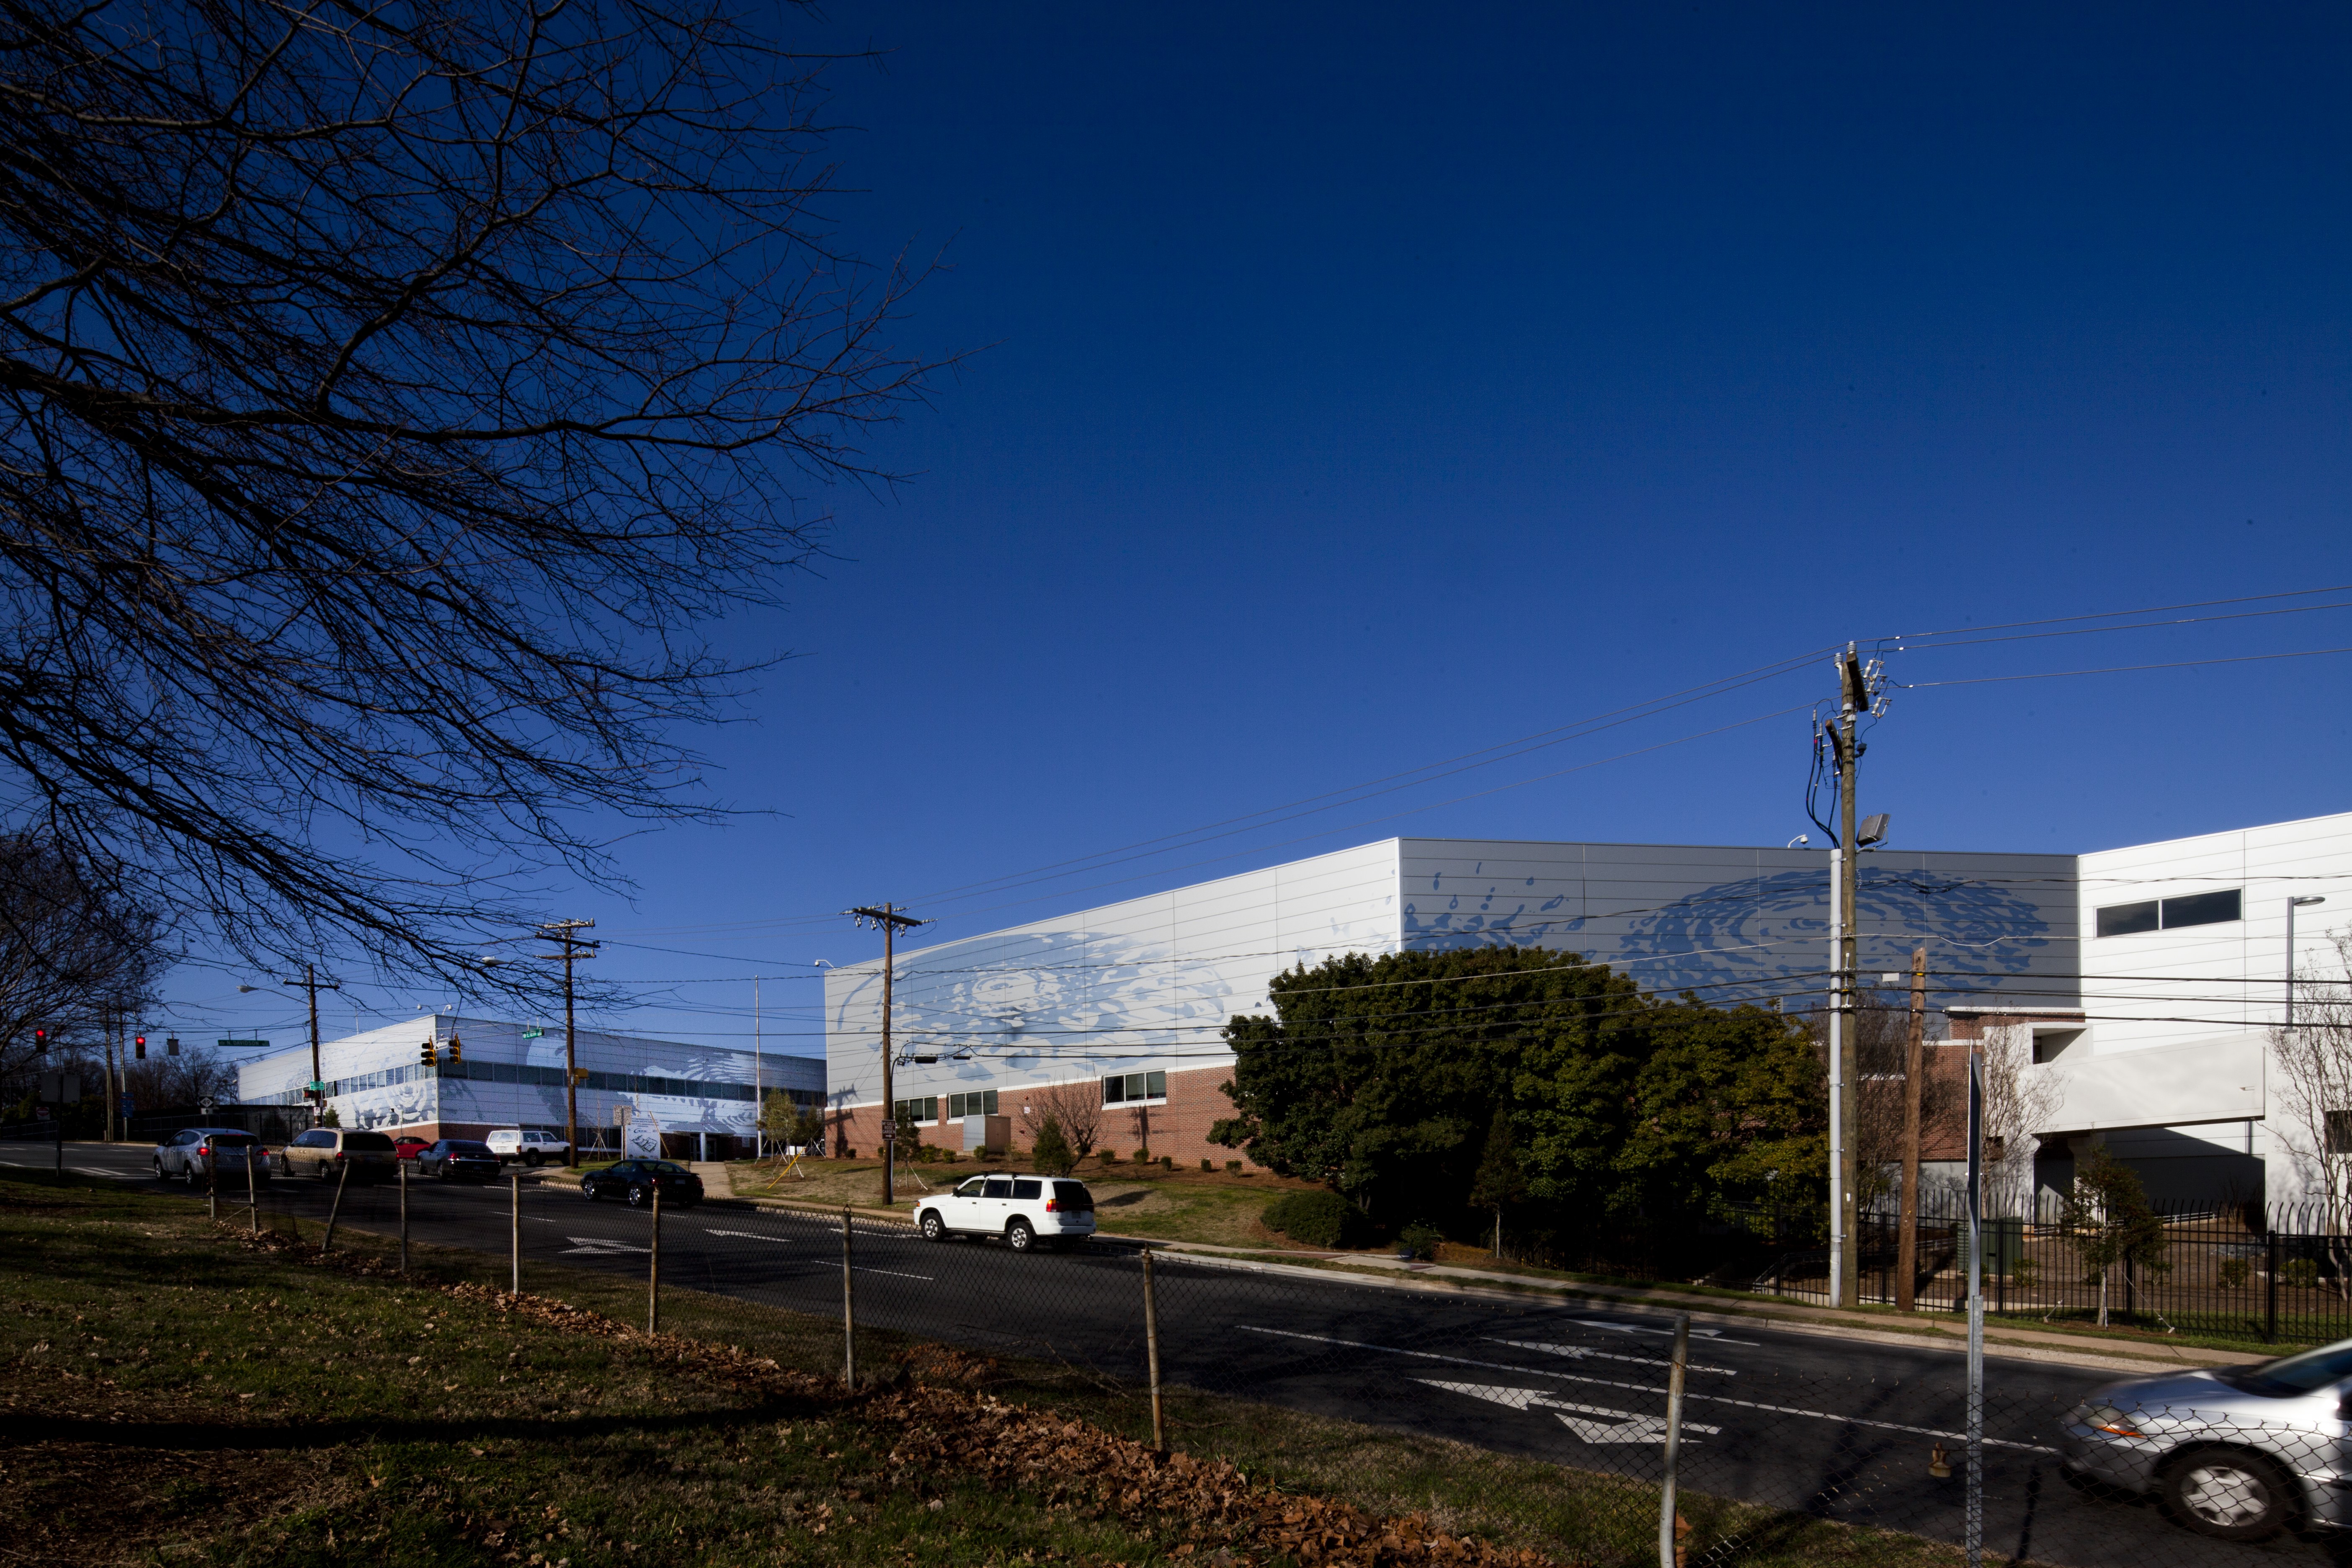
x=2237 y=1452
x=408 y=1145
x=321 y=1151
x=531 y=1148
x=635 y=1180
x=1028 y=1212
x=455 y=1157
x=200 y=1154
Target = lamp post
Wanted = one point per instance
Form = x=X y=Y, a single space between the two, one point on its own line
x=2293 y=905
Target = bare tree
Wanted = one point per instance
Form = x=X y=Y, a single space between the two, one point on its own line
x=2313 y=1141
x=2016 y=1102
x=75 y=950
x=1882 y=1023
x=1076 y=1106
x=389 y=400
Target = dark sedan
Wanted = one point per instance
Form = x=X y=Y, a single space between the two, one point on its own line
x=458 y=1157
x=634 y=1180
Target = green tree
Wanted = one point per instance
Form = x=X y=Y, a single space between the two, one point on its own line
x=2108 y=1221
x=779 y=1117
x=1731 y=1108
x=1052 y=1153
x=1500 y=1183
x=1381 y=1077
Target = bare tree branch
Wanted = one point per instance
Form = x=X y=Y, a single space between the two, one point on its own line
x=389 y=400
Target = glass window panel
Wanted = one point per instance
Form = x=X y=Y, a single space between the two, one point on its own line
x=1114 y=1090
x=988 y=1102
x=2126 y=919
x=2201 y=908
x=1155 y=1085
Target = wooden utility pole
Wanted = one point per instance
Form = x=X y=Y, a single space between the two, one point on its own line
x=566 y=932
x=1857 y=693
x=891 y=919
x=1906 y=1247
x=309 y=982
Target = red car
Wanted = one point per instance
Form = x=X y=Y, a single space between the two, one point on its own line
x=408 y=1145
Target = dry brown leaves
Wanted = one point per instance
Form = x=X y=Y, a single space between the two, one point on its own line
x=944 y=1424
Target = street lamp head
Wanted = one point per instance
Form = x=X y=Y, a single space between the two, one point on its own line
x=2306 y=900
x=243 y=989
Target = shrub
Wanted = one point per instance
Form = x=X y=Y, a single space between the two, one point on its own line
x=2024 y=1273
x=2233 y=1273
x=1167 y=1162
x=2300 y=1271
x=1052 y=1153
x=1232 y=1167
x=1320 y=1218
x=1108 y=1156
x=1207 y=1165
x=1419 y=1240
x=1141 y=1156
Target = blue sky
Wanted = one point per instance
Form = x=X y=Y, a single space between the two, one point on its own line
x=1350 y=388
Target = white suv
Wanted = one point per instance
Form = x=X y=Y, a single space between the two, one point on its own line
x=530 y=1148
x=1028 y=1212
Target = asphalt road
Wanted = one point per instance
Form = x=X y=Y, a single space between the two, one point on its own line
x=1835 y=1428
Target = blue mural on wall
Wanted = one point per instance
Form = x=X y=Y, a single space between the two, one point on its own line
x=1760 y=936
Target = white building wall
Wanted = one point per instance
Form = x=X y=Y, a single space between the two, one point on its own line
x=410 y=1096
x=1145 y=984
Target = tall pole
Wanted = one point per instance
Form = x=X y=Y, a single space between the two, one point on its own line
x=311 y=984
x=113 y=1093
x=2293 y=905
x=1854 y=701
x=759 y=1088
x=1906 y=1245
x=1972 y=1526
x=890 y=917
x=568 y=933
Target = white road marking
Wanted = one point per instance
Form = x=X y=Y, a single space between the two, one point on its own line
x=1613 y=1426
x=746 y=1235
x=596 y=1246
x=1643 y=1388
x=926 y=1278
x=1587 y=1352
x=111 y=1175
x=1697 y=1332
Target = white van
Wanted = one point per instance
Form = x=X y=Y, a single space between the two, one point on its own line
x=1028 y=1212
x=511 y=1143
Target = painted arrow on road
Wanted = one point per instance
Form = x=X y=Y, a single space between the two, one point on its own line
x=1591 y=1423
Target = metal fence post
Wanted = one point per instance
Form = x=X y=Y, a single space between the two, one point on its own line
x=849 y=1313
x=653 y=1269
x=2270 y=1282
x=1669 y=1556
x=402 y=1166
x=253 y=1196
x=514 y=1234
x=1973 y=1525
x=211 y=1195
x=335 y=1210
x=1151 y=1350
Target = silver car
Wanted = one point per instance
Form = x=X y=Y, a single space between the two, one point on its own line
x=197 y=1155
x=2238 y=1452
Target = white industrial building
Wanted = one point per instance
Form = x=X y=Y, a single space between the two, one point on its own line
x=2143 y=982
x=448 y=1077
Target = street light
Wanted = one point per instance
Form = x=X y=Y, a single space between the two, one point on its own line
x=2293 y=905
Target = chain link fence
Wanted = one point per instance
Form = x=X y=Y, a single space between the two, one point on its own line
x=1603 y=1437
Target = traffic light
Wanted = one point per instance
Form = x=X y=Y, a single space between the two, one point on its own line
x=426 y=1055
x=456 y=1049
x=40 y=1042
x=139 y=1047
x=170 y=1045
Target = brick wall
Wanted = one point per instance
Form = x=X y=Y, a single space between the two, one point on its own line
x=1179 y=1128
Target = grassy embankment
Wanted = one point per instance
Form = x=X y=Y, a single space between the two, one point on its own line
x=180 y=1391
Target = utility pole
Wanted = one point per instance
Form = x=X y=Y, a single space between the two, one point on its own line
x=1857 y=687
x=891 y=919
x=1906 y=1245
x=108 y=1024
x=309 y=982
x=566 y=932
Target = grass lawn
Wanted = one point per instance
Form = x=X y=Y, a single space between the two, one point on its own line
x=182 y=1392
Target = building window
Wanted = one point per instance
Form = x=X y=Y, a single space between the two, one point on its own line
x=2339 y=1132
x=918 y=1112
x=1134 y=1088
x=979 y=1102
x=2169 y=914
